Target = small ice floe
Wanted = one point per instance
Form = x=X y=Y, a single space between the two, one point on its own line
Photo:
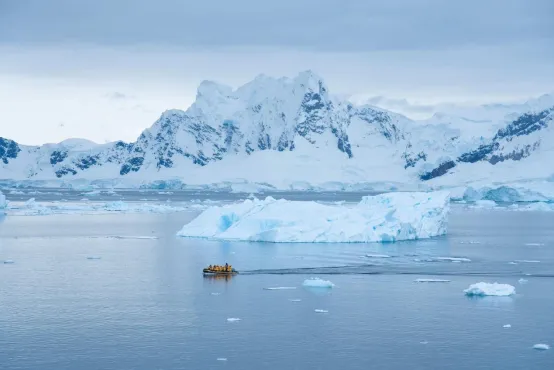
x=486 y=289
x=93 y=257
x=423 y=342
x=233 y=319
x=8 y=262
x=221 y=359
x=377 y=256
x=512 y=263
x=522 y=281
x=149 y=237
x=281 y=288
x=534 y=244
x=317 y=283
x=453 y=259
x=469 y=242
x=319 y=310
x=541 y=347
x=215 y=293
x=528 y=261
x=295 y=300
x=431 y=281
x=507 y=326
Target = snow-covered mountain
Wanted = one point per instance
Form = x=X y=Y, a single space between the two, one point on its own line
x=290 y=131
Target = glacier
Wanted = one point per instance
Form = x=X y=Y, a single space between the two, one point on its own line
x=386 y=217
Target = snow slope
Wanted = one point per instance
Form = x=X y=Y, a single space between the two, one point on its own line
x=291 y=132
x=383 y=218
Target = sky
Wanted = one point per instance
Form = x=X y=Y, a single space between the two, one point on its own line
x=105 y=70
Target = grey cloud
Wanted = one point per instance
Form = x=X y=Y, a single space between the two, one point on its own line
x=320 y=25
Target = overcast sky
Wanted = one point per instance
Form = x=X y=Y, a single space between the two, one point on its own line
x=106 y=69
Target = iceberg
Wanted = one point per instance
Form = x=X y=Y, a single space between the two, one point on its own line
x=486 y=289
x=233 y=319
x=541 y=346
x=317 y=283
x=507 y=326
x=386 y=217
x=319 y=310
x=3 y=202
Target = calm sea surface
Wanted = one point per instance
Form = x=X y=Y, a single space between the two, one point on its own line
x=85 y=292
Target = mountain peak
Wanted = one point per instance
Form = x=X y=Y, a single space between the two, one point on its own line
x=209 y=88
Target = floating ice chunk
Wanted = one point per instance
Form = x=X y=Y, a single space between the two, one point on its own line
x=221 y=359
x=470 y=242
x=8 y=262
x=93 y=257
x=431 y=281
x=319 y=310
x=424 y=342
x=377 y=256
x=295 y=300
x=233 y=319
x=92 y=193
x=507 y=326
x=215 y=293
x=528 y=261
x=281 y=288
x=453 y=259
x=541 y=347
x=534 y=244
x=512 y=263
x=17 y=192
x=487 y=289
x=149 y=237
x=522 y=281
x=382 y=218
x=3 y=202
x=485 y=203
x=317 y=283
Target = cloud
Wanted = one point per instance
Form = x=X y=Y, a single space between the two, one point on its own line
x=309 y=25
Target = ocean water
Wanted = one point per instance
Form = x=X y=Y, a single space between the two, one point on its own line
x=141 y=302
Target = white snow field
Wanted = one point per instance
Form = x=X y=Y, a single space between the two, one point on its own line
x=382 y=218
x=488 y=289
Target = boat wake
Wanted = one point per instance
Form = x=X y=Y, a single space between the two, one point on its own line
x=398 y=270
